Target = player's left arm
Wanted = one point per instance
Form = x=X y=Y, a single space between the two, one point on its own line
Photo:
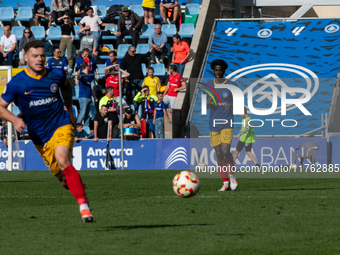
x=5 y=114
x=183 y=86
x=66 y=91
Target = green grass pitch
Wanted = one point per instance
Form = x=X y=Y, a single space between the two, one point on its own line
x=137 y=212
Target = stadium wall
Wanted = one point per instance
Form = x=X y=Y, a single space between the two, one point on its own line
x=165 y=154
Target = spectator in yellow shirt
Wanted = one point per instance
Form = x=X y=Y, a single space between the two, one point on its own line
x=149 y=7
x=152 y=82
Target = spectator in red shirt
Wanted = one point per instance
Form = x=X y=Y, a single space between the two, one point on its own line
x=181 y=53
x=112 y=78
x=175 y=84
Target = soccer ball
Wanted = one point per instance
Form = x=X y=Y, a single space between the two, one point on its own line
x=201 y=166
x=293 y=166
x=186 y=184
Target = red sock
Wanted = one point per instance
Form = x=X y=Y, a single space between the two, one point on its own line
x=75 y=184
x=229 y=166
x=223 y=172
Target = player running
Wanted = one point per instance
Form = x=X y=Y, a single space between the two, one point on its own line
x=51 y=128
x=221 y=135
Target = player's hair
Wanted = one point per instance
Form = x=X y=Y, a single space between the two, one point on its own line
x=113 y=52
x=151 y=68
x=159 y=93
x=174 y=68
x=86 y=49
x=108 y=89
x=84 y=65
x=219 y=62
x=34 y=44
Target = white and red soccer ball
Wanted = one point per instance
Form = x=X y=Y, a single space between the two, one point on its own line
x=186 y=184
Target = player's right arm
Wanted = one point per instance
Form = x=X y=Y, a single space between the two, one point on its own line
x=18 y=123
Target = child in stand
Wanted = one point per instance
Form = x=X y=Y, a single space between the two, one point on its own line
x=247 y=138
x=158 y=116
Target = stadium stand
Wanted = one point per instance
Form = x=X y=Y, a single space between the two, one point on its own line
x=18 y=32
x=74 y=52
x=159 y=69
x=39 y=32
x=76 y=29
x=54 y=33
x=170 y=29
x=6 y=14
x=157 y=13
x=187 y=30
x=112 y=29
x=147 y=30
x=24 y=14
x=144 y=69
x=1 y=31
x=122 y=49
x=105 y=55
x=87 y=129
x=101 y=70
x=75 y=92
x=192 y=9
x=75 y=111
x=142 y=48
x=138 y=9
x=101 y=9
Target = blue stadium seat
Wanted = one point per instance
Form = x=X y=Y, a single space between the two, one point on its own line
x=6 y=14
x=15 y=110
x=75 y=111
x=138 y=9
x=144 y=69
x=106 y=56
x=76 y=29
x=112 y=28
x=101 y=70
x=54 y=33
x=170 y=30
x=142 y=48
x=22 y=66
x=122 y=49
x=192 y=9
x=101 y=9
x=74 y=53
x=187 y=30
x=77 y=18
x=38 y=32
x=157 y=12
x=147 y=30
x=24 y=14
x=87 y=129
x=159 y=69
x=1 y=31
x=75 y=92
x=18 y=32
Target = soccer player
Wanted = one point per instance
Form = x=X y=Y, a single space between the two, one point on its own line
x=221 y=135
x=51 y=128
x=247 y=138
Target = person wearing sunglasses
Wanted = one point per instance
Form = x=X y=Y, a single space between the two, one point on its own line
x=26 y=37
x=66 y=41
x=57 y=62
x=59 y=8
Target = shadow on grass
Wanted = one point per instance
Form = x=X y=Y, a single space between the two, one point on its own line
x=151 y=226
x=18 y=181
x=294 y=189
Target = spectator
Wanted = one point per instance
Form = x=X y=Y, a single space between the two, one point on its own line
x=58 y=9
x=81 y=134
x=8 y=44
x=132 y=63
x=152 y=82
x=26 y=37
x=85 y=57
x=57 y=62
x=85 y=91
x=112 y=59
x=165 y=6
x=40 y=11
x=129 y=23
x=158 y=116
x=94 y=22
x=147 y=104
x=87 y=41
x=101 y=122
x=157 y=42
x=130 y=119
x=181 y=53
x=78 y=8
x=112 y=79
x=113 y=109
x=175 y=84
x=66 y=41
x=149 y=7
